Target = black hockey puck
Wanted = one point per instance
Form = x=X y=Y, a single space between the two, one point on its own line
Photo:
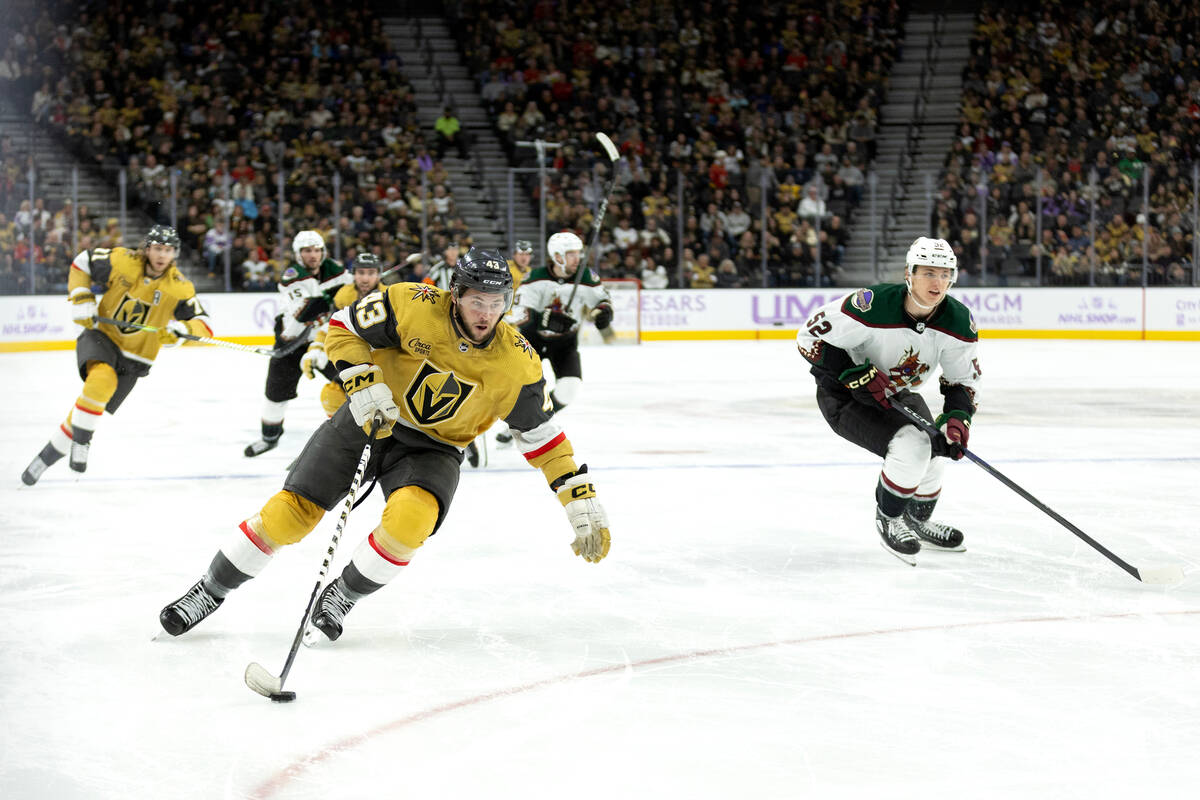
x=283 y=697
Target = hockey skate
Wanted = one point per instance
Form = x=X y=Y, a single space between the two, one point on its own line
x=504 y=439
x=39 y=464
x=934 y=535
x=897 y=537
x=80 y=446
x=332 y=607
x=271 y=431
x=186 y=612
x=261 y=446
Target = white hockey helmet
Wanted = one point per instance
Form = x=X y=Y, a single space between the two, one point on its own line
x=305 y=239
x=562 y=243
x=926 y=252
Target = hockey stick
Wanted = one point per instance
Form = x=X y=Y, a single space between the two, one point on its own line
x=258 y=677
x=1155 y=575
x=613 y=156
x=245 y=348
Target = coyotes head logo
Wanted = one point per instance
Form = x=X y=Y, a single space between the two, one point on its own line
x=909 y=371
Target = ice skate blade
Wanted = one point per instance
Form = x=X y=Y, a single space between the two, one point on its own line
x=911 y=560
x=930 y=547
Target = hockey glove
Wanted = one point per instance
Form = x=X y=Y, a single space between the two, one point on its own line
x=956 y=429
x=601 y=315
x=557 y=323
x=314 y=360
x=868 y=385
x=586 y=515
x=369 y=394
x=168 y=335
x=83 y=309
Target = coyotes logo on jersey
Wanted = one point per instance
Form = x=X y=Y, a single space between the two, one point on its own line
x=909 y=371
x=435 y=396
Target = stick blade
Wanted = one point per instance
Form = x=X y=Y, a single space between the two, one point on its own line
x=611 y=149
x=260 y=679
x=1161 y=576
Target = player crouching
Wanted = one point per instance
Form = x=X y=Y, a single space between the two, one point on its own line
x=867 y=350
x=440 y=367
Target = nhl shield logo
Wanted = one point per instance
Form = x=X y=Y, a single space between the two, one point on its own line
x=434 y=396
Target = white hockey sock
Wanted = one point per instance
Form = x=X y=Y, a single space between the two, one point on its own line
x=272 y=412
x=247 y=551
x=376 y=564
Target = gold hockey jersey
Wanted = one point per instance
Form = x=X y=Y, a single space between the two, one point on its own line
x=445 y=386
x=125 y=292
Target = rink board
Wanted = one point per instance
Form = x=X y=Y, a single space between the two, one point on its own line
x=43 y=322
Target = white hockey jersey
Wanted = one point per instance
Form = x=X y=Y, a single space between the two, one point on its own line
x=871 y=325
x=543 y=291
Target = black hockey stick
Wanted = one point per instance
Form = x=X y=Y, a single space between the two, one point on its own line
x=245 y=348
x=258 y=677
x=614 y=156
x=1155 y=575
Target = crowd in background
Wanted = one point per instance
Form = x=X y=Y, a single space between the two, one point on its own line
x=226 y=95
x=1053 y=93
x=740 y=102
x=737 y=108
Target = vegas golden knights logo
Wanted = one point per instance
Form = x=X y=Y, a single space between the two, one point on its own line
x=131 y=310
x=434 y=397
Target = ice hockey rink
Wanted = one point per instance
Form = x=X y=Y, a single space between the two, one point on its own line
x=746 y=637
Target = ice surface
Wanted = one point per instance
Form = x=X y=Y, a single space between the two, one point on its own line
x=747 y=636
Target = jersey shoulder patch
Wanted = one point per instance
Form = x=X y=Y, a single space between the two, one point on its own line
x=878 y=305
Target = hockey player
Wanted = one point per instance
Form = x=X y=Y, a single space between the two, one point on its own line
x=438 y=368
x=142 y=287
x=521 y=263
x=366 y=280
x=307 y=287
x=540 y=312
x=867 y=351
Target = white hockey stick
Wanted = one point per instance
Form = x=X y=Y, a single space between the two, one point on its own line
x=614 y=156
x=258 y=677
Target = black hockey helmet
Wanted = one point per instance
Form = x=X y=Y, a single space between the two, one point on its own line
x=161 y=234
x=366 y=261
x=482 y=270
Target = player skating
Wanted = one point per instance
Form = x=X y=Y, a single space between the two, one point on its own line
x=307 y=288
x=440 y=368
x=143 y=288
x=867 y=350
x=549 y=306
x=521 y=263
x=366 y=273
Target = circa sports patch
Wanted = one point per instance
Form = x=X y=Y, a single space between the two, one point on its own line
x=862 y=299
x=289 y=274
